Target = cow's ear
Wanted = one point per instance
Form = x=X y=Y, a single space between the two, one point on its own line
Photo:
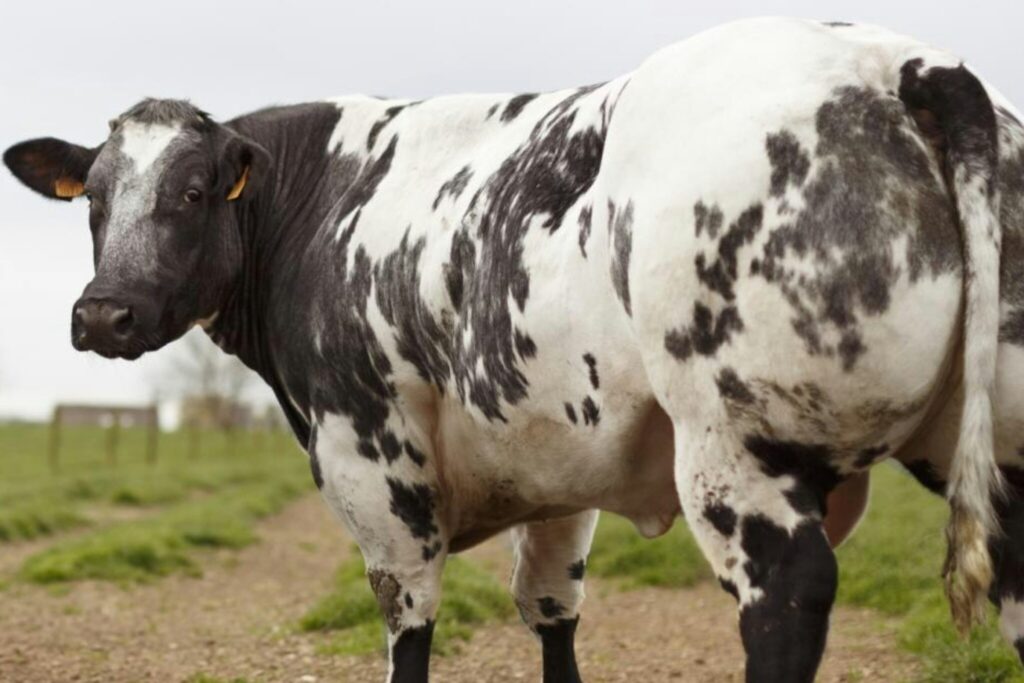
x=246 y=167
x=52 y=167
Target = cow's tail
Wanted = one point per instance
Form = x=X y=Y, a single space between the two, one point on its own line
x=955 y=112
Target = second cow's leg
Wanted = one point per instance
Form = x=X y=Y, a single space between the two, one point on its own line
x=1007 y=549
x=764 y=539
x=548 y=586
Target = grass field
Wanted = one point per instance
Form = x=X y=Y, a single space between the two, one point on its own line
x=143 y=519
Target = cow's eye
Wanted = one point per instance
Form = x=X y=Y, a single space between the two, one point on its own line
x=193 y=195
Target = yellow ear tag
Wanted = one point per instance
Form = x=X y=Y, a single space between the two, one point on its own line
x=236 y=191
x=68 y=188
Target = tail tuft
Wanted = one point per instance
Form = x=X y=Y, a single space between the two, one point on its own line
x=957 y=101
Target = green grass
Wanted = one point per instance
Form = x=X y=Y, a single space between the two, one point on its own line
x=35 y=501
x=165 y=543
x=185 y=501
x=621 y=553
x=33 y=519
x=472 y=596
x=893 y=565
x=206 y=678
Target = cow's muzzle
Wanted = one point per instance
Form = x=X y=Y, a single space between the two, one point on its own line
x=105 y=326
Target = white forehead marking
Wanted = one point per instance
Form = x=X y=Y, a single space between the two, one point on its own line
x=144 y=142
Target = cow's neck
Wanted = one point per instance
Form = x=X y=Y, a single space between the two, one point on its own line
x=277 y=226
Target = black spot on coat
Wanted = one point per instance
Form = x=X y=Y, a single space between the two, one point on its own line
x=722 y=518
x=705 y=334
x=378 y=125
x=415 y=454
x=454 y=186
x=586 y=221
x=515 y=106
x=591 y=362
x=550 y=608
x=420 y=338
x=707 y=219
x=525 y=346
x=577 y=569
x=414 y=505
x=591 y=413
x=732 y=388
x=809 y=464
x=789 y=161
x=720 y=275
x=620 y=228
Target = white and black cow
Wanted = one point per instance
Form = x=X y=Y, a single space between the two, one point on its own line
x=727 y=284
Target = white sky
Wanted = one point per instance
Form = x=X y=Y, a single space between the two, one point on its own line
x=68 y=67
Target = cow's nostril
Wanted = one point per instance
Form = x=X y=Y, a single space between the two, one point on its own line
x=121 y=321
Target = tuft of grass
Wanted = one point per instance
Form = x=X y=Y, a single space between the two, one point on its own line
x=620 y=552
x=163 y=544
x=35 y=501
x=147 y=491
x=472 y=597
x=32 y=519
x=207 y=678
x=985 y=657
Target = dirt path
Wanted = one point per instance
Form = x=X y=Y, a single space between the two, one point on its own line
x=235 y=622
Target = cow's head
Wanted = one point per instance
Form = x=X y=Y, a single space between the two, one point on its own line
x=163 y=191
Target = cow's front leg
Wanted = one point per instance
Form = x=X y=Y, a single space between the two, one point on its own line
x=764 y=539
x=385 y=491
x=548 y=586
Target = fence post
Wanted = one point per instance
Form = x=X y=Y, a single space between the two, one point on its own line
x=153 y=436
x=193 y=442
x=112 y=437
x=54 y=446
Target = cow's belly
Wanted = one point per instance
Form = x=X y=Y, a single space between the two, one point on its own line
x=541 y=465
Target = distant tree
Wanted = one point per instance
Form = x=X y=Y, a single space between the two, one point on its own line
x=209 y=383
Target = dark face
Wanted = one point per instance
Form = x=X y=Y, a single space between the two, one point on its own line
x=163 y=192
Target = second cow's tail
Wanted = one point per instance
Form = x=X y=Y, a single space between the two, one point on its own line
x=955 y=112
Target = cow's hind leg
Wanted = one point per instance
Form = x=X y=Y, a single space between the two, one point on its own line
x=755 y=506
x=548 y=586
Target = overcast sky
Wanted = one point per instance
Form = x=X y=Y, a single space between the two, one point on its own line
x=68 y=67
